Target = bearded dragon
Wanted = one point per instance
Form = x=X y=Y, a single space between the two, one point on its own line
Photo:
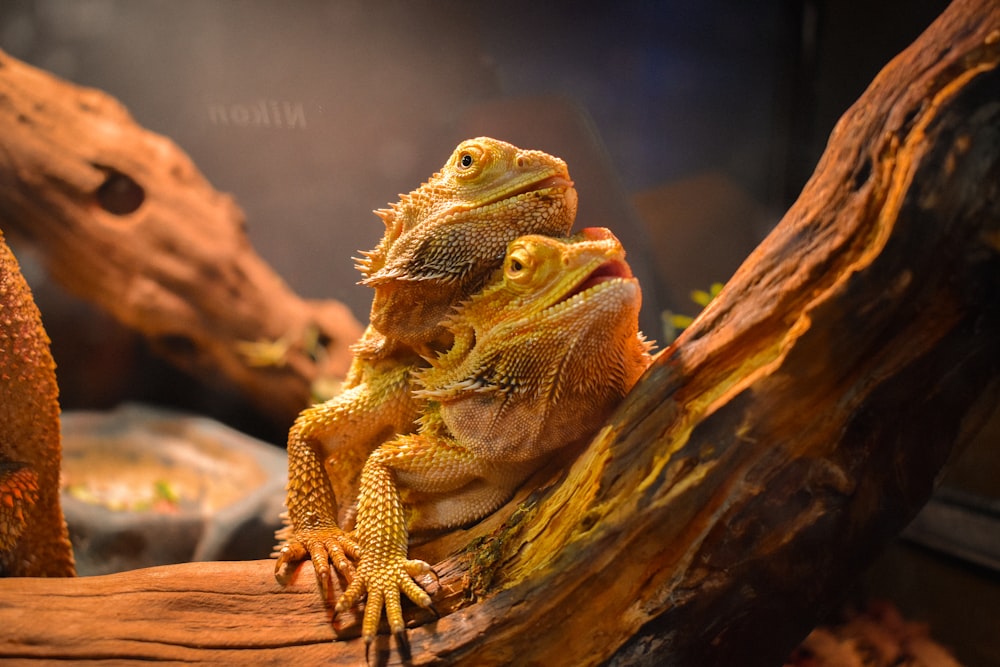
x=442 y=242
x=540 y=358
x=33 y=537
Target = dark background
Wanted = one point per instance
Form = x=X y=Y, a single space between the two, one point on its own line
x=689 y=128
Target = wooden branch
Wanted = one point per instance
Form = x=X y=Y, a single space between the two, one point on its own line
x=766 y=456
x=124 y=219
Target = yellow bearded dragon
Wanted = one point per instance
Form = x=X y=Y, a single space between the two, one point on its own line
x=442 y=242
x=540 y=358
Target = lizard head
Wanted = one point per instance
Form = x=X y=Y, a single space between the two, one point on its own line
x=570 y=284
x=446 y=238
x=545 y=352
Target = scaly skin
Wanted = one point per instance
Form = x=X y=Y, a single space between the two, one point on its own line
x=540 y=359
x=33 y=537
x=442 y=243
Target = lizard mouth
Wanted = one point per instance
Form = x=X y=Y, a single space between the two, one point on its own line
x=613 y=269
x=551 y=183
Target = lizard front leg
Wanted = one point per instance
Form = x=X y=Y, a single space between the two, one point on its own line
x=312 y=529
x=326 y=447
x=431 y=462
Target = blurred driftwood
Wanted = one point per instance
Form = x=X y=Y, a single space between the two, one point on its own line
x=788 y=434
x=124 y=219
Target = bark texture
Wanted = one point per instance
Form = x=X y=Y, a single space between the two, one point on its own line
x=124 y=219
x=788 y=434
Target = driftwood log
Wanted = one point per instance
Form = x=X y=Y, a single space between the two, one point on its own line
x=769 y=453
x=124 y=219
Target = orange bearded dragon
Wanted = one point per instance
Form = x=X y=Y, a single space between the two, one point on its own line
x=540 y=359
x=442 y=243
x=33 y=537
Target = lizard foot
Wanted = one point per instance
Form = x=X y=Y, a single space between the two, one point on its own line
x=323 y=545
x=383 y=578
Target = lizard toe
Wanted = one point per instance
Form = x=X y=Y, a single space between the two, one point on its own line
x=393 y=610
x=333 y=550
x=350 y=596
x=373 y=614
x=289 y=553
x=416 y=568
x=415 y=592
x=324 y=576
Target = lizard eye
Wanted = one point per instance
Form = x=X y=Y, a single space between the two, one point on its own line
x=469 y=161
x=519 y=267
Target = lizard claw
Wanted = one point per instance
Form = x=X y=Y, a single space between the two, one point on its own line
x=322 y=546
x=290 y=552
